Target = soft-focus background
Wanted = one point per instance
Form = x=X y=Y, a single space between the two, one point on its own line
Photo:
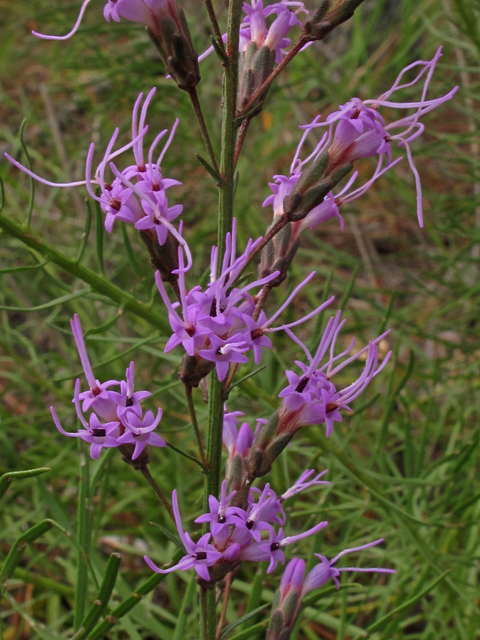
x=403 y=465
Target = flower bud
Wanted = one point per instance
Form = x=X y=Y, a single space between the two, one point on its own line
x=287 y=601
x=163 y=258
x=256 y=64
x=193 y=369
x=329 y=15
x=170 y=34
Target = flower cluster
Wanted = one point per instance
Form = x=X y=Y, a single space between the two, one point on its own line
x=137 y=194
x=236 y=533
x=221 y=323
x=312 y=398
x=116 y=417
x=356 y=131
x=294 y=586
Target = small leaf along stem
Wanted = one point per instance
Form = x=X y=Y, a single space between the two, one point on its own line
x=196 y=429
x=203 y=128
x=148 y=477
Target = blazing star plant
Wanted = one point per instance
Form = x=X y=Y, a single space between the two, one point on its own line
x=222 y=323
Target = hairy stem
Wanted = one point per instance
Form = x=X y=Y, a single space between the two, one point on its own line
x=225 y=217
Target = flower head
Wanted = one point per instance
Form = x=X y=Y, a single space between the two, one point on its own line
x=311 y=397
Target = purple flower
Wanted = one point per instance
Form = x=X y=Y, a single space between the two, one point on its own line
x=320 y=574
x=358 y=131
x=98 y=397
x=254 y=27
x=218 y=324
x=311 y=398
x=98 y=434
x=128 y=399
x=271 y=550
x=304 y=483
x=139 y=431
x=147 y=12
x=224 y=352
x=136 y=195
x=220 y=512
x=200 y=555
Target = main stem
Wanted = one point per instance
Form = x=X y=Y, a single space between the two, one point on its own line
x=225 y=217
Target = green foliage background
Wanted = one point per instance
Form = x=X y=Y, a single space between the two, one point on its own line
x=403 y=466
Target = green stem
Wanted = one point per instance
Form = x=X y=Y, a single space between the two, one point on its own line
x=225 y=217
x=99 y=284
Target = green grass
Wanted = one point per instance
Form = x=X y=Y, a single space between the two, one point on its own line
x=404 y=466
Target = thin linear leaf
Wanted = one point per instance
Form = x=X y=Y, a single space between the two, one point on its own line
x=47 y=305
x=16 y=552
x=2 y=194
x=98 y=284
x=129 y=603
x=349 y=289
x=406 y=605
x=29 y=165
x=105 y=326
x=185 y=609
x=25 y=268
x=171 y=536
x=8 y=478
x=186 y=455
x=130 y=254
x=99 y=237
x=230 y=627
x=83 y=535
x=251 y=631
x=86 y=232
x=100 y=605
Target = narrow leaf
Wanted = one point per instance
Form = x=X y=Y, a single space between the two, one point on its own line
x=86 y=232
x=171 y=536
x=8 y=478
x=129 y=603
x=99 y=237
x=236 y=623
x=406 y=605
x=209 y=168
x=29 y=165
x=185 y=609
x=99 y=607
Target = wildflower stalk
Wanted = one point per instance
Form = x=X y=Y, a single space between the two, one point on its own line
x=225 y=217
